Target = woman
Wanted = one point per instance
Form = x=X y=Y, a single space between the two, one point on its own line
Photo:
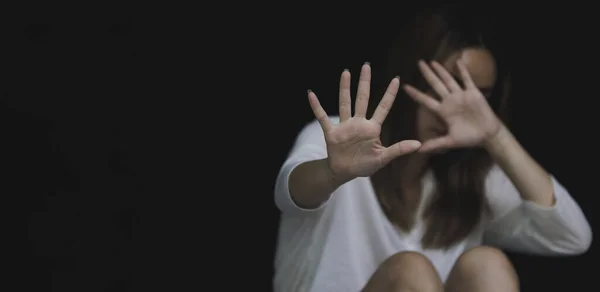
x=403 y=201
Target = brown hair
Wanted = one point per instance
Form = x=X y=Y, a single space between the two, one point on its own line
x=458 y=203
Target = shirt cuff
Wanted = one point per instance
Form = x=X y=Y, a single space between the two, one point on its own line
x=283 y=198
x=563 y=224
x=560 y=195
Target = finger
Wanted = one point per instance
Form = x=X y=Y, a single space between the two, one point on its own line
x=387 y=101
x=448 y=79
x=319 y=112
x=345 y=103
x=465 y=75
x=437 y=144
x=399 y=149
x=362 y=94
x=429 y=102
x=433 y=80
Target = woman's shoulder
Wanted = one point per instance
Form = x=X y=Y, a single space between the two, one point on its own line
x=501 y=193
x=496 y=177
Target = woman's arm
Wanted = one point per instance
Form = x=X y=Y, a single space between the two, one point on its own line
x=532 y=212
x=532 y=181
x=304 y=183
x=311 y=183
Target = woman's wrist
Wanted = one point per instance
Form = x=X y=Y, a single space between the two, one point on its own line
x=336 y=179
x=497 y=140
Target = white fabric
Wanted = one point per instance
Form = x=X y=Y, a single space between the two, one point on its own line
x=338 y=246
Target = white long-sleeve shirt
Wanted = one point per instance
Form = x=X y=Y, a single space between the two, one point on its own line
x=339 y=245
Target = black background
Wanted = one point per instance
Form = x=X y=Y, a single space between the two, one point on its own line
x=142 y=143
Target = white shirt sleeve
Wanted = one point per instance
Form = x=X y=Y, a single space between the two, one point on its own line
x=310 y=145
x=524 y=226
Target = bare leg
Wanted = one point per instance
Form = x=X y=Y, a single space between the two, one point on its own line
x=405 y=272
x=483 y=269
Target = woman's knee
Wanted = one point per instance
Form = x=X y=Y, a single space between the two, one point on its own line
x=408 y=270
x=407 y=262
x=483 y=258
x=484 y=266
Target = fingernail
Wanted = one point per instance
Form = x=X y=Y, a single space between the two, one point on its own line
x=309 y=91
x=367 y=63
x=415 y=144
x=346 y=70
x=397 y=77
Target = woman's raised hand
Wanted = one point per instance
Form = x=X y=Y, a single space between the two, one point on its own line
x=470 y=119
x=353 y=146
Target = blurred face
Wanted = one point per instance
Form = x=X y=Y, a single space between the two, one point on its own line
x=482 y=67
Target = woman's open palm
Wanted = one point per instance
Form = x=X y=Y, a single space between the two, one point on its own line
x=469 y=117
x=353 y=146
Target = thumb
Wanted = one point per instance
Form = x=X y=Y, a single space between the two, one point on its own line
x=401 y=148
x=437 y=144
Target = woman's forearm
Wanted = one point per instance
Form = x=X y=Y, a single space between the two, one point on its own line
x=532 y=181
x=311 y=183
